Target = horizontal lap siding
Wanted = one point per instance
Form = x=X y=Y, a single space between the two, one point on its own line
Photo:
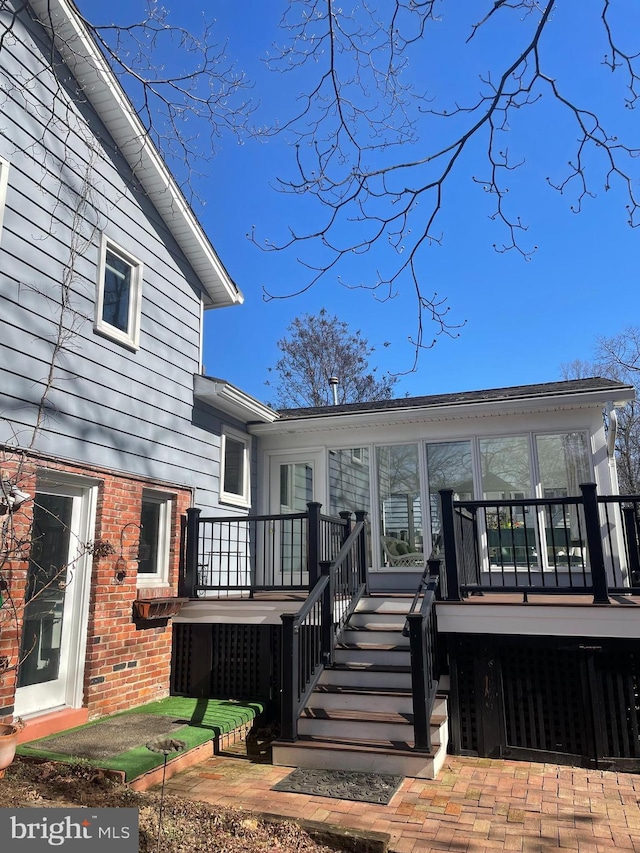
x=130 y=411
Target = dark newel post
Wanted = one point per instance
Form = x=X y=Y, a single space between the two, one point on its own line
x=434 y=573
x=345 y=515
x=313 y=542
x=191 y=554
x=327 y=614
x=449 y=544
x=289 y=710
x=361 y=516
x=419 y=675
x=633 y=549
x=594 y=543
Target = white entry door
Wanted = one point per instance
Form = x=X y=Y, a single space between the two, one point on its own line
x=53 y=642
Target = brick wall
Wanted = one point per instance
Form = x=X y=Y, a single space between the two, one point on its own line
x=127 y=660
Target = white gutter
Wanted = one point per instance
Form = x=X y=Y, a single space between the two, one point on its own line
x=103 y=90
x=231 y=400
x=441 y=411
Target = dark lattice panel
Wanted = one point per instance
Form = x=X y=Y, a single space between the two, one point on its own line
x=180 y=659
x=466 y=696
x=245 y=662
x=543 y=696
x=619 y=684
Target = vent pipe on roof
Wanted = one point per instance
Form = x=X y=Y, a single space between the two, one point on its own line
x=333 y=382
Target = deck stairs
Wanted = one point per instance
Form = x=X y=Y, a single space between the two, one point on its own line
x=360 y=716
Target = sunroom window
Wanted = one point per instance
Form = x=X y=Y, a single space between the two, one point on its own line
x=400 y=510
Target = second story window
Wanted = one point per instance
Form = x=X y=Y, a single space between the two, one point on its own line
x=119 y=291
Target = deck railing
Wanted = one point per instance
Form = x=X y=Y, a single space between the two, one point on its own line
x=422 y=630
x=581 y=544
x=309 y=636
x=258 y=553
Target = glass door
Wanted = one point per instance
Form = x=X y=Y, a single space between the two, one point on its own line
x=50 y=670
x=293 y=486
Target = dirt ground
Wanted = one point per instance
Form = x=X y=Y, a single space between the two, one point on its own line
x=186 y=825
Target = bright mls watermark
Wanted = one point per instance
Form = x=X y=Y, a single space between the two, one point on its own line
x=35 y=830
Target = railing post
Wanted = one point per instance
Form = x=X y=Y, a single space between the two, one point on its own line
x=594 y=543
x=449 y=544
x=434 y=572
x=346 y=516
x=631 y=536
x=327 y=614
x=289 y=709
x=191 y=553
x=363 y=568
x=419 y=688
x=313 y=542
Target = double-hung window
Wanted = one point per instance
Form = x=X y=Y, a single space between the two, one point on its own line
x=119 y=292
x=155 y=536
x=234 y=473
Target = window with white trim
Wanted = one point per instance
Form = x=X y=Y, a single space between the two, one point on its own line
x=234 y=468
x=118 y=295
x=4 y=178
x=155 y=536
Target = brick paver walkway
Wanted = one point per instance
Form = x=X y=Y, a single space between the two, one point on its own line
x=474 y=805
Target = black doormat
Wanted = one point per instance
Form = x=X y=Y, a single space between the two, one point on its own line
x=342 y=785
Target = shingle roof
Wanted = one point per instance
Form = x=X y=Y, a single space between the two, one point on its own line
x=517 y=392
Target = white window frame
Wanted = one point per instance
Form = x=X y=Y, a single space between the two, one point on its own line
x=130 y=337
x=4 y=180
x=244 y=498
x=159 y=578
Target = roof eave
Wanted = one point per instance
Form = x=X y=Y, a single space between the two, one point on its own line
x=103 y=90
x=232 y=401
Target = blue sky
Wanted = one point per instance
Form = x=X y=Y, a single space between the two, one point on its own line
x=523 y=318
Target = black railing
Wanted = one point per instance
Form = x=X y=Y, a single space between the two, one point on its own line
x=309 y=636
x=422 y=630
x=585 y=544
x=258 y=553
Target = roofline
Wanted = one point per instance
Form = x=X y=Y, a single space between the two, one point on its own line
x=102 y=88
x=566 y=398
x=233 y=401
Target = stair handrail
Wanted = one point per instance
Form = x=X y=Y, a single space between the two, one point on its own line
x=323 y=614
x=423 y=647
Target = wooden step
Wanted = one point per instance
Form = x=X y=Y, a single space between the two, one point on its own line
x=367 y=675
x=388 y=654
x=353 y=697
x=362 y=725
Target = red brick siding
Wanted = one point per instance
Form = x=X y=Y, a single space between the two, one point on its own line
x=127 y=662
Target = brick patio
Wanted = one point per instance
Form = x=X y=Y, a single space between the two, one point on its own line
x=475 y=805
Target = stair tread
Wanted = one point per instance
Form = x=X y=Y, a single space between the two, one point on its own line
x=362 y=691
x=385 y=747
x=343 y=714
x=367 y=667
x=384 y=647
x=314 y=713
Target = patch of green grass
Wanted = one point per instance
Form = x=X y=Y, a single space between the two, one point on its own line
x=204 y=719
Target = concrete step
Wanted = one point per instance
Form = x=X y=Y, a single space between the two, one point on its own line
x=391 y=654
x=383 y=757
x=367 y=675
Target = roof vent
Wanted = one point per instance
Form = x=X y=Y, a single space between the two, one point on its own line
x=333 y=382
